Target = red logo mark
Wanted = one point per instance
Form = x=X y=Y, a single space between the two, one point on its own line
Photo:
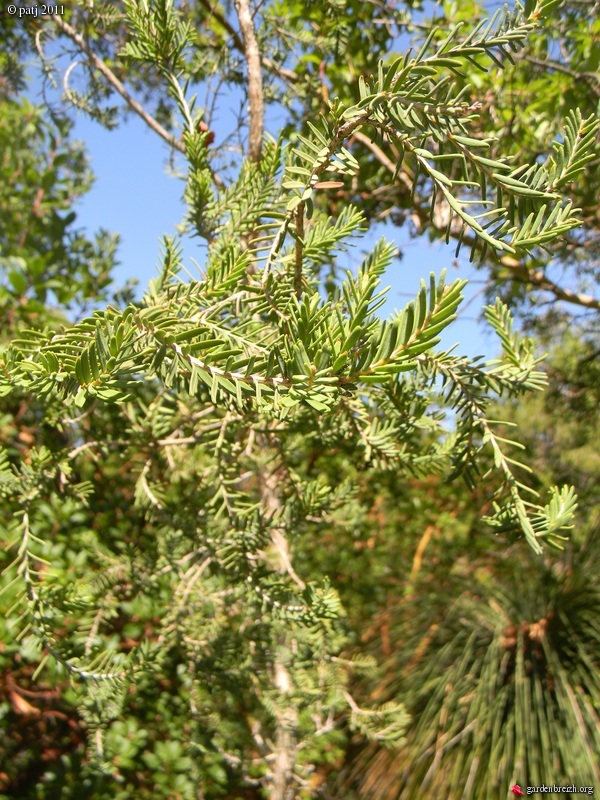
x=516 y=790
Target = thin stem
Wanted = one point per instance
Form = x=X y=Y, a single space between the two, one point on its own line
x=299 y=250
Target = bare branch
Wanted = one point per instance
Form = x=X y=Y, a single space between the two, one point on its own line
x=591 y=78
x=224 y=23
x=542 y=281
x=381 y=157
x=520 y=272
x=116 y=83
x=255 y=87
x=285 y=74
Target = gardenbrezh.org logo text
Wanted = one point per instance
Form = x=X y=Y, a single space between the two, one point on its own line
x=554 y=789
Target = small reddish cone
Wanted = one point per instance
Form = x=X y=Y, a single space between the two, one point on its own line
x=517 y=791
x=202 y=127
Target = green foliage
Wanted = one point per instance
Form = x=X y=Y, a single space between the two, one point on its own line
x=43 y=258
x=169 y=526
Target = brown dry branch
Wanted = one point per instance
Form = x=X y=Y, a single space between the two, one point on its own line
x=255 y=87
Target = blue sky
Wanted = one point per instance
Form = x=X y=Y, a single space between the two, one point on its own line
x=137 y=196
